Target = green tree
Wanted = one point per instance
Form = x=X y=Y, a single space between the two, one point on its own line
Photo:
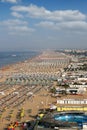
x=53 y=90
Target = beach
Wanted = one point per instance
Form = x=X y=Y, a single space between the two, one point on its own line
x=24 y=86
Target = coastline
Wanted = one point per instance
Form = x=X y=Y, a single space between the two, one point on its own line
x=17 y=96
x=13 y=57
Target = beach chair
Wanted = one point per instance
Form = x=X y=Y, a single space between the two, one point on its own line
x=85 y=108
x=58 y=108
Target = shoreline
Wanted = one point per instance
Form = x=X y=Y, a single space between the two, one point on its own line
x=22 y=60
x=29 y=95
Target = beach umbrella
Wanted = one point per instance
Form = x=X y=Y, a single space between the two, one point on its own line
x=10 y=127
x=41 y=115
x=22 y=114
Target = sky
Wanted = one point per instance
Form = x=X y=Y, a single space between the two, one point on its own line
x=43 y=24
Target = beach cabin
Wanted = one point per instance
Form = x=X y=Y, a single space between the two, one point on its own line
x=84 y=126
x=60 y=91
x=72 y=91
x=2 y=93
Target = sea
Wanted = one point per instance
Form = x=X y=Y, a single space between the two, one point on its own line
x=7 y=58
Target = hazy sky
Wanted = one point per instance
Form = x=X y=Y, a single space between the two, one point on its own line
x=43 y=24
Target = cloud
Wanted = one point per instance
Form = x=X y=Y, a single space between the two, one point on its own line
x=42 y=13
x=64 y=26
x=21 y=28
x=64 y=20
x=75 y=25
x=17 y=15
x=16 y=26
x=46 y=24
x=59 y=20
x=10 y=1
x=13 y=22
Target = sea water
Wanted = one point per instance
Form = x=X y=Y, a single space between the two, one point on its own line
x=7 y=58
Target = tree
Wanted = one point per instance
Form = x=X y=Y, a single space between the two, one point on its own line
x=53 y=90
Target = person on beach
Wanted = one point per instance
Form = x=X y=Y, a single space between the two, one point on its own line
x=24 y=126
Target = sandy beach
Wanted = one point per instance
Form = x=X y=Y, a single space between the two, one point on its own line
x=25 y=85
